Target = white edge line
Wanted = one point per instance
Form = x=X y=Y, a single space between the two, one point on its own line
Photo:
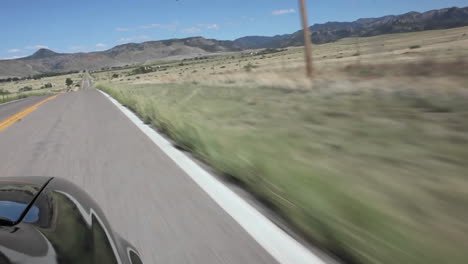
x=273 y=239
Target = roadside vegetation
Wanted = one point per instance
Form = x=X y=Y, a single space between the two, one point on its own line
x=368 y=160
x=6 y=96
x=46 y=84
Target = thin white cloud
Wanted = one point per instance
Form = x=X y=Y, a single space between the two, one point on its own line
x=13 y=57
x=233 y=23
x=35 y=47
x=246 y=18
x=283 y=12
x=101 y=45
x=209 y=26
x=150 y=26
x=122 y=29
x=14 y=50
x=192 y=30
x=134 y=38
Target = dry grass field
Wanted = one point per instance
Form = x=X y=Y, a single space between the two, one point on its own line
x=439 y=45
x=43 y=86
x=368 y=160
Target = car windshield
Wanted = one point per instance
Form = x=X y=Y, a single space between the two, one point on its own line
x=12 y=211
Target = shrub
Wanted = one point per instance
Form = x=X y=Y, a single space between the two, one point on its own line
x=249 y=67
x=415 y=47
x=68 y=82
x=4 y=92
x=141 y=70
x=25 y=89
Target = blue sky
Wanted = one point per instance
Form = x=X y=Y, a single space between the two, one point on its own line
x=73 y=26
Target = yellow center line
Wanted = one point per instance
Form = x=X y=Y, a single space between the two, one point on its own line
x=18 y=116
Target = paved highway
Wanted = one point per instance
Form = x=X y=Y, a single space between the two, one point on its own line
x=11 y=108
x=83 y=137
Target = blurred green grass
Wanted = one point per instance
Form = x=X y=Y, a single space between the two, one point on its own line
x=16 y=96
x=374 y=175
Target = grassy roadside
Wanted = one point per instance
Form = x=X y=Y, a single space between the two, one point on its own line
x=373 y=170
x=16 y=96
x=14 y=90
x=11 y=91
x=8 y=98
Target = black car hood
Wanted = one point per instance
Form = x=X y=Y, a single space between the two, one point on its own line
x=17 y=196
x=62 y=225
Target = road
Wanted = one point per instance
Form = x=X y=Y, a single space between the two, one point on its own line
x=83 y=137
x=11 y=108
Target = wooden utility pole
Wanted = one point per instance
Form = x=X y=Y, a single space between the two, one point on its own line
x=307 y=40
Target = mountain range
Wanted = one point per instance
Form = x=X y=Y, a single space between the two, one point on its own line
x=45 y=61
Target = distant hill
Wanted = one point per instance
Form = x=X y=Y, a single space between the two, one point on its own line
x=364 y=27
x=45 y=60
x=43 y=53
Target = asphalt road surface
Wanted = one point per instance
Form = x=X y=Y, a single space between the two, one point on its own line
x=11 y=108
x=148 y=199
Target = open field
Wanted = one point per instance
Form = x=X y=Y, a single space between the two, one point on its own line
x=16 y=90
x=369 y=159
x=440 y=45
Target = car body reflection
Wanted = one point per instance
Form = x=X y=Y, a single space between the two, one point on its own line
x=64 y=225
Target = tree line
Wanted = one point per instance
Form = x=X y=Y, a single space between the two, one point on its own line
x=36 y=76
